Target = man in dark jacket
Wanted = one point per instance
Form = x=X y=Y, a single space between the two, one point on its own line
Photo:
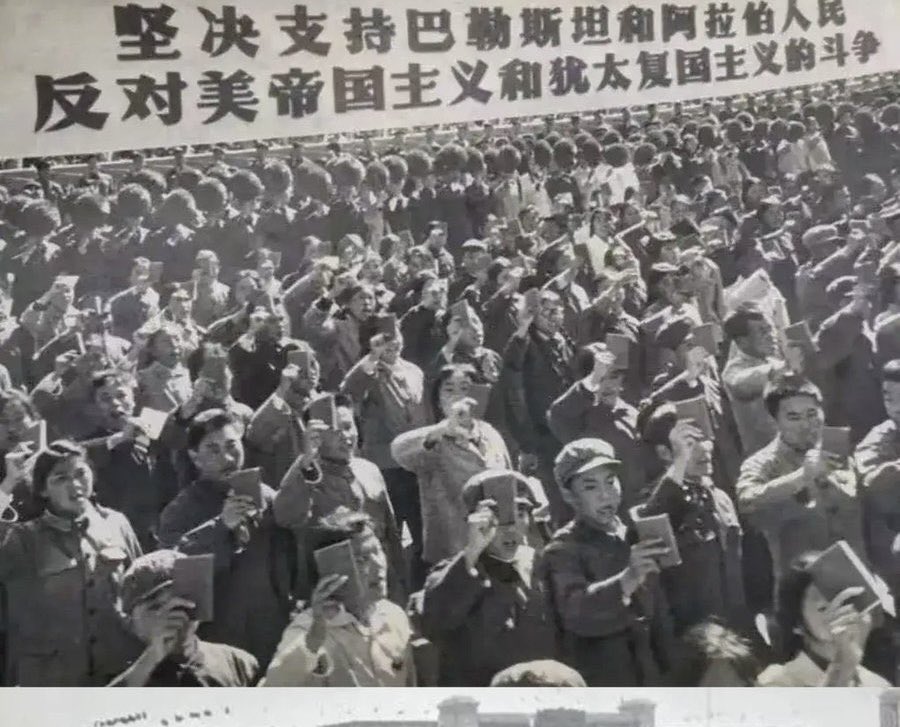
x=537 y=368
x=610 y=613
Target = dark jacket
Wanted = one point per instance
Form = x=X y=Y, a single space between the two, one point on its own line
x=608 y=641
x=60 y=585
x=487 y=620
x=253 y=587
x=709 y=582
x=536 y=371
x=577 y=414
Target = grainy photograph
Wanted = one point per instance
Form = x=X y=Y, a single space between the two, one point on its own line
x=350 y=344
x=645 y=707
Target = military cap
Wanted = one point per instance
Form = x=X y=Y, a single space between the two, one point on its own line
x=583 y=455
x=477 y=486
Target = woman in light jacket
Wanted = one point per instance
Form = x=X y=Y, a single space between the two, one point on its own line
x=444 y=456
x=823 y=639
x=59 y=572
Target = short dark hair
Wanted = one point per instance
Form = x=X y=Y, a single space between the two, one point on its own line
x=787 y=387
x=110 y=376
x=706 y=643
x=56 y=452
x=445 y=373
x=891 y=371
x=737 y=324
x=789 y=617
x=656 y=423
x=208 y=422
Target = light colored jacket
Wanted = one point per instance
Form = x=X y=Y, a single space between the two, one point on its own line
x=442 y=471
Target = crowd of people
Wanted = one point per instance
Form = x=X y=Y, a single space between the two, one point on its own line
x=482 y=372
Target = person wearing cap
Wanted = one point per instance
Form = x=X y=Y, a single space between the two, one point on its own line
x=593 y=407
x=254 y=557
x=64 y=396
x=328 y=475
x=484 y=608
x=31 y=258
x=708 y=585
x=846 y=359
x=52 y=314
x=797 y=495
x=217 y=164
x=450 y=195
x=345 y=213
x=178 y=312
x=335 y=326
x=274 y=436
x=239 y=233
x=690 y=371
x=127 y=239
x=209 y=296
x=59 y=572
x=390 y=395
x=671 y=299
x=82 y=242
x=53 y=191
x=260 y=156
x=828 y=258
x=608 y=608
x=178 y=166
x=173 y=655
x=752 y=361
x=346 y=635
x=172 y=240
x=95 y=178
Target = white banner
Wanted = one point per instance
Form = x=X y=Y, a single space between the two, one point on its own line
x=94 y=75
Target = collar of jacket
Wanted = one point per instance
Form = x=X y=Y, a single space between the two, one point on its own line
x=522 y=564
x=190 y=654
x=587 y=531
x=64 y=524
x=784 y=451
x=336 y=468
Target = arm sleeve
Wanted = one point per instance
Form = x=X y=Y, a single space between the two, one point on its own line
x=760 y=495
x=746 y=383
x=293 y=500
x=513 y=382
x=566 y=413
x=836 y=339
x=212 y=537
x=409 y=451
x=451 y=593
